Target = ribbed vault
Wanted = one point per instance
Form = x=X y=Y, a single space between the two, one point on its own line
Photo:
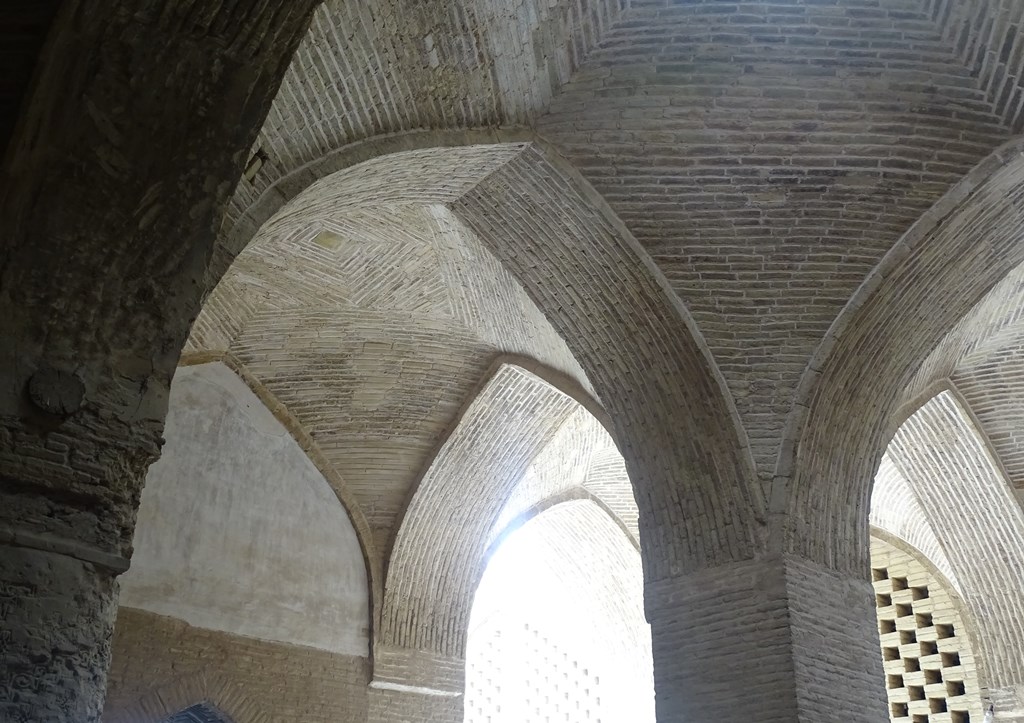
x=370 y=312
x=896 y=509
x=789 y=206
x=582 y=270
x=993 y=387
x=367 y=69
x=765 y=221
x=431 y=574
x=774 y=154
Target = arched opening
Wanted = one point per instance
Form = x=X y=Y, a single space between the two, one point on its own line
x=557 y=631
x=907 y=321
x=198 y=713
x=248 y=574
x=946 y=564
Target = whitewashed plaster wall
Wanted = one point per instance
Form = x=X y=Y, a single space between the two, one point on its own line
x=239 y=532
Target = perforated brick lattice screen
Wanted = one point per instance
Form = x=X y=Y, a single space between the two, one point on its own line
x=530 y=676
x=930 y=671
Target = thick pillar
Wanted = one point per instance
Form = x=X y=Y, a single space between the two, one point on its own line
x=138 y=126
x=416 y=685
x=774 y=639
x=56 y=618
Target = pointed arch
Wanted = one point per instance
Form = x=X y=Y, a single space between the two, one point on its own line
x=673 y=416
x=176 y=701
x=966 y=500
x=521 y=446
x=443 y=535
x=860 y=375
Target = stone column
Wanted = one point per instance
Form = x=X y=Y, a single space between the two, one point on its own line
x=69 y=488
x=772 y=639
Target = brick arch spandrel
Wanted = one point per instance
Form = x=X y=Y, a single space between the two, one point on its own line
x=178 y=694
x=308 y=444
x=370 y=69
x=855 y=386
x=580 y=459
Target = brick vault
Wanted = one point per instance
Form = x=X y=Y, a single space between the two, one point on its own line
x=739 y=281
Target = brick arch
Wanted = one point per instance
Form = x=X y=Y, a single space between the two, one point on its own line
x=447 y=521
x=469 y=499
x=176 y=697
x=576 y=494
x=584 y=577
x=673 y=415
x=199 y=713
x=858 y=380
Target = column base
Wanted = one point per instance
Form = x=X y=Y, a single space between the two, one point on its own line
x=56 y=619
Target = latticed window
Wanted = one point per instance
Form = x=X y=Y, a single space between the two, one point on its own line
x=528 y=675
x=930 y=672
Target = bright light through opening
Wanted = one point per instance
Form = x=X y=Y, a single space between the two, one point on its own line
x=557 y=632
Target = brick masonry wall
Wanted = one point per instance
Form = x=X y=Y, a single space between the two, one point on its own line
x=993 y=387
x=767 y=155
x=539 y=222
x=162 y=665
x=986 y=34
x=945 y=608
x=896 y=509
x=373 y=324
x=766 y=640
x=368 y=70
x=434 y=569
x=835 y=641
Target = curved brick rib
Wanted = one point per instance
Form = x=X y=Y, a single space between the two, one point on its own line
x=896 y=510
x=932 y=278
x=439 y=548
x=694 y=488
x=625 y=328
x=767 y=156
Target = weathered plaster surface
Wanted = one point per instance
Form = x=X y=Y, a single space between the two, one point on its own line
x=239 y=532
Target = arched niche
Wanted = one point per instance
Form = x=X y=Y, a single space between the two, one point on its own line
x=239 y=532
